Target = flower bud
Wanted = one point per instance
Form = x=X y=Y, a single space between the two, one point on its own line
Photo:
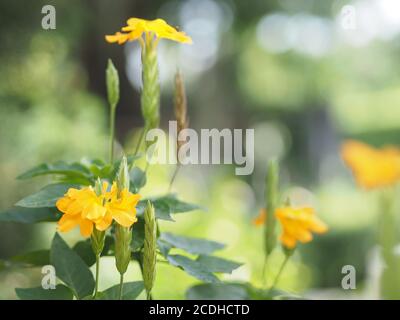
x=112 y=81
x=123 y=175
x=149 y=251
x=150 y=97
x=272 y=196
x=123 y=238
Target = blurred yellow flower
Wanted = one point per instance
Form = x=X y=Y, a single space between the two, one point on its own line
x=371 y=167
x=260 y=219
x=297 y=225
x=84 y=208
x=151 y=28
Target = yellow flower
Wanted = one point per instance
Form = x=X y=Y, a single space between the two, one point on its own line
x=158 y=28
x=297 y=225
x=84 y=208
x=372 y=168
x=121 y=208
x=260 y=219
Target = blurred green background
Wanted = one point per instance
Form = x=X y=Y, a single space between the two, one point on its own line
x=305 y=74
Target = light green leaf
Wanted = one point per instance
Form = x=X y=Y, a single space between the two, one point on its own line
x=30 y=215
x=70 y=268
x=216 y=264
x=131 y=291
x=191 y=245
x=62 y=168
x=47 y=197
x=61 y=292
x=192 y=268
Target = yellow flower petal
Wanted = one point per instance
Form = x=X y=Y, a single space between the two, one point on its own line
x=371 y=167
x=125 y=219
x=86 y=227
x=68 y=222
x=158 y=28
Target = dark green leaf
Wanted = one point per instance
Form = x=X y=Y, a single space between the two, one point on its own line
x=70 y=268
x=47 y=197
x=29 y=215
x=217 y=291
x=61 y=292
x=192 y=245
x=33 y=258
x=84 y=250
x=192 y=268
x=138 y=235
x=164 y=247
x=137 y=179
x=61 y=168
x=131 y=291
x=216 y=264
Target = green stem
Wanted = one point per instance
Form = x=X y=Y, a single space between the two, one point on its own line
x=112 y=132
x=96 y=288
x=121 y=286
x=280 y=271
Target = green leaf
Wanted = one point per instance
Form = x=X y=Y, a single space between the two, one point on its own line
x=216 y=264
x=167 y=205
x=33 y=258
x=30 y=215
x=164 y=247
x=131 y=291
x=217 y=291
x=61 y=292
x=192 y=245
x=138 y=179
x=47 y=197
x=62 y=168
x=137 y=235
x=235 y=291
x=192 y=268
x=70 y=268
x=84 y=250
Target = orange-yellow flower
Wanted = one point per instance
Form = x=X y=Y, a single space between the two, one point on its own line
x=86 y=209
x=371 y=167
x=154 y=28
x=297 y=225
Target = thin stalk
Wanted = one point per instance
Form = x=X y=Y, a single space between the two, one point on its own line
x=121 y=286
x=264 y=270
x=96 y=288
x=173 y=177
x=112 y=132
x=140 y=141
x=280 y=271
